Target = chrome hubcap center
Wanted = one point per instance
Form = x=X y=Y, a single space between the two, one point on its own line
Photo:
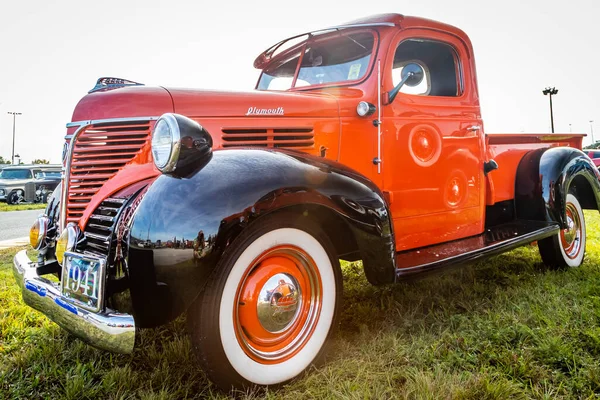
x=571 y=231
x=278 y=303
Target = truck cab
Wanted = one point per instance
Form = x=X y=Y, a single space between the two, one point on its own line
x=360 y=142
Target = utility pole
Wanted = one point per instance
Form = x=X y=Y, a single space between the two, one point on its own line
x=592 y=130
x=551 y=91
x=14 y=114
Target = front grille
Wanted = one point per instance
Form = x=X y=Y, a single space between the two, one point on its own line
x=100 y=151
x=101 y=225
x=297 y=138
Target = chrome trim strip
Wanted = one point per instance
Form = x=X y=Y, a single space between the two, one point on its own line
x=104 y=239
x=115 y=200
x=102 y=121
x=69 y=157
x=62 y=222
x=102 y=217
x=379 y=116
x=107 y=330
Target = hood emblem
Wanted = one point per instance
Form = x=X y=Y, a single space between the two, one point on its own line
x=265 y=111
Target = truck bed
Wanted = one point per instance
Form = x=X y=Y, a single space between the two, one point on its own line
x=507 y=149
x=558 y=139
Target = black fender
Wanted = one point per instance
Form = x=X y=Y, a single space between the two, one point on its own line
x=545 y=177
x=182 y=226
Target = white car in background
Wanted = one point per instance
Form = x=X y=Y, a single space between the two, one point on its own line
x=28 y=183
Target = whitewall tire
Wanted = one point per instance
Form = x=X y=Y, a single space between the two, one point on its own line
x=567 y=248
x=270 y=305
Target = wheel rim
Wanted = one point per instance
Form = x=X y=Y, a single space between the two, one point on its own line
x=278 y=304
x=570 y=238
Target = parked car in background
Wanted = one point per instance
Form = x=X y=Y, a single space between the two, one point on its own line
x=595 y=156
x=28 y=183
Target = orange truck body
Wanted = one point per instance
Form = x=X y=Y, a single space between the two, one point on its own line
x=360 y=142
x=417 y=193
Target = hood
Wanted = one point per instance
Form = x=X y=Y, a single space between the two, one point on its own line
x=209 y=103
x=126 y=102
x=234 y=119
x=143 y=101
x=286 y=120
x=14 y=182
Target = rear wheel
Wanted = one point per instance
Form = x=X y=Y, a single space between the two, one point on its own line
x=270 y=305
x=567 y=248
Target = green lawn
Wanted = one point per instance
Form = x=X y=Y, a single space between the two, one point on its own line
x=504 y=328
x=19 y=207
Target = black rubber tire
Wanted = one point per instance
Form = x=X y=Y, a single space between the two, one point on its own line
x=551 y=249
x=204 y=315
x=12 y=198
x=46 y=196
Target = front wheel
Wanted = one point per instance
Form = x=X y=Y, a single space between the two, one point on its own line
x=270 y=305
x=567 y=248
x=15 y=197
x=46 y=196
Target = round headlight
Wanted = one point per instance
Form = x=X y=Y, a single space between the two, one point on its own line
x=363 y=109
x=66 y=241
x=38 y=231
x=165 y=143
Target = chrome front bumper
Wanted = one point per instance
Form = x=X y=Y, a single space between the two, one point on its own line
x=107 y=330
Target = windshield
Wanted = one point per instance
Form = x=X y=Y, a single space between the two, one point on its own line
x=15 y=174
x=47 y=174
x=337 y=58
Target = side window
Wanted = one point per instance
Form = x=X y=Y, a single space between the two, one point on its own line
x=37 y=174
x=439 y=62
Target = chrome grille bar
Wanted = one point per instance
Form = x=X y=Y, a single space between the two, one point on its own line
x=81 y=127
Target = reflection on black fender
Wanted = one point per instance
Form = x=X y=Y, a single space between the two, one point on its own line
x=543 y=180
x=182 y=226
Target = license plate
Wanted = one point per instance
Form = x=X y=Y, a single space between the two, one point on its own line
x=83 y=280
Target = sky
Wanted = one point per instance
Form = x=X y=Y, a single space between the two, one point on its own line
x=52 y=53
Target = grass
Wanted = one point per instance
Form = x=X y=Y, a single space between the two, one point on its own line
x=20 y=207
x=505 y=328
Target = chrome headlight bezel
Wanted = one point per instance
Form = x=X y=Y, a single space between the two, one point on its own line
x=42 y=223
x=169 y=163
x=72 y=232
x=191 y=145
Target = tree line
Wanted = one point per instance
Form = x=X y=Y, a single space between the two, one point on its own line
x=36 y=161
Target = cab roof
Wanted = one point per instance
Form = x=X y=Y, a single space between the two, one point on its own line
x=378 y=20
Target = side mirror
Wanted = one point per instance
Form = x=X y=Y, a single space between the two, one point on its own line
x=412 y=75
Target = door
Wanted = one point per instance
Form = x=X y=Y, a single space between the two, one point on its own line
x=433 y=142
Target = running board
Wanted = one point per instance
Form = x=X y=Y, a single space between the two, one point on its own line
x=497 y=239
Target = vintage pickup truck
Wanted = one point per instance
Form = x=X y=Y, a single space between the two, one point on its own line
x=361 y=142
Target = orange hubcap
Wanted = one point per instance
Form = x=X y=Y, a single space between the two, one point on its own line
x=278 y=304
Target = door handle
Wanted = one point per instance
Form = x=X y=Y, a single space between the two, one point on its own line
x=474 y=128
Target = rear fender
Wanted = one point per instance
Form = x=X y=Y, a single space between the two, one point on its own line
x=182 y=226
x=545 y=176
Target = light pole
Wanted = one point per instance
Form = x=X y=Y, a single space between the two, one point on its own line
x=592 y=130
x=14 y=114
x=551 y=91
